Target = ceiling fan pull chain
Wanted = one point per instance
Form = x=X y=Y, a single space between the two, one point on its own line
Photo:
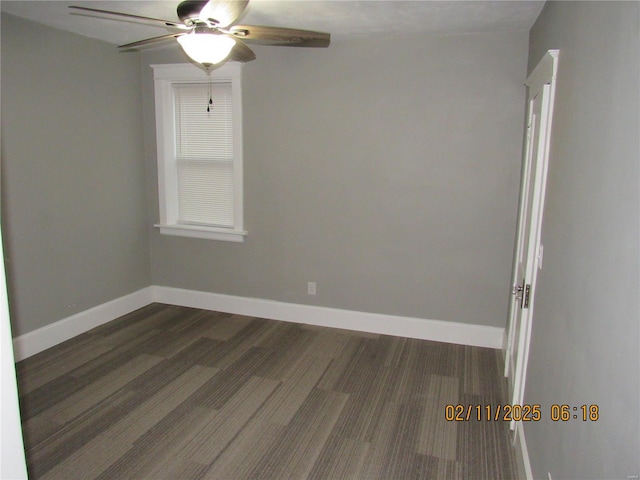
x=210 y=99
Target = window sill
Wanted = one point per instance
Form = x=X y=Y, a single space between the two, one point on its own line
x=209 y=233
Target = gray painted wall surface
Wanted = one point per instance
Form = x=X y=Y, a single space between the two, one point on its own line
x=73 y=182
x=586 y=334
x=386 y=170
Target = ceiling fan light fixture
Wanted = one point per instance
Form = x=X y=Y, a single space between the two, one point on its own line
x=207 y=48
x=213 y=32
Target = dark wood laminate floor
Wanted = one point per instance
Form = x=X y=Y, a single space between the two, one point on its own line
x=180 y=393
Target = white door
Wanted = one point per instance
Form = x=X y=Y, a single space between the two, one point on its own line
x=528 y=250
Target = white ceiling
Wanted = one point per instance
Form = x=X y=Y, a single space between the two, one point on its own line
x=341 y=18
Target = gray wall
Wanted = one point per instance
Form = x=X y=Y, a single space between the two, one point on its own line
x=584 y=348
x=73 y=182
x=386 y=170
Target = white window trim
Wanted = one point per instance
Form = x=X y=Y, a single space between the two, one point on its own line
x=165 y=76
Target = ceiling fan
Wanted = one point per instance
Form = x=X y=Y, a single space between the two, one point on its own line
x=207 y=34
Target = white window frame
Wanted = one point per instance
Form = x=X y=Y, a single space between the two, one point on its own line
x=165 y=76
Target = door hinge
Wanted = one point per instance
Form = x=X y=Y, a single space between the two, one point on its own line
x=540 y=255
x=525 y=298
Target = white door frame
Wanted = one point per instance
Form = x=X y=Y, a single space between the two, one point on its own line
x=542 y=81
x=12 y=460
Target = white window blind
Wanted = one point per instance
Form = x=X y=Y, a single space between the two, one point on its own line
x=204 y=154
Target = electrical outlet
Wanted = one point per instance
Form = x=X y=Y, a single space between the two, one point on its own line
x=311 y=288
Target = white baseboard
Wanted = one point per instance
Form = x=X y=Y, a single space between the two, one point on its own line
x=436 y=330
x=46 y=337
x=450 y=332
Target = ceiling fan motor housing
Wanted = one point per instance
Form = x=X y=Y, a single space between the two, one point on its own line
x=189 y=11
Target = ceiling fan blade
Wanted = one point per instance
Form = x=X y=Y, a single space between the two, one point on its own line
x=148 y=41
x=219 y=13
x=155 y=21
x=289 y=37
x=241 y=52
x=224 y=12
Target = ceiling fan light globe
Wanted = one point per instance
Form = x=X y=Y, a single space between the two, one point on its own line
x=206 y=48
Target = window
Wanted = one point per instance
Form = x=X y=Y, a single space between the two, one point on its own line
x=199 y=151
